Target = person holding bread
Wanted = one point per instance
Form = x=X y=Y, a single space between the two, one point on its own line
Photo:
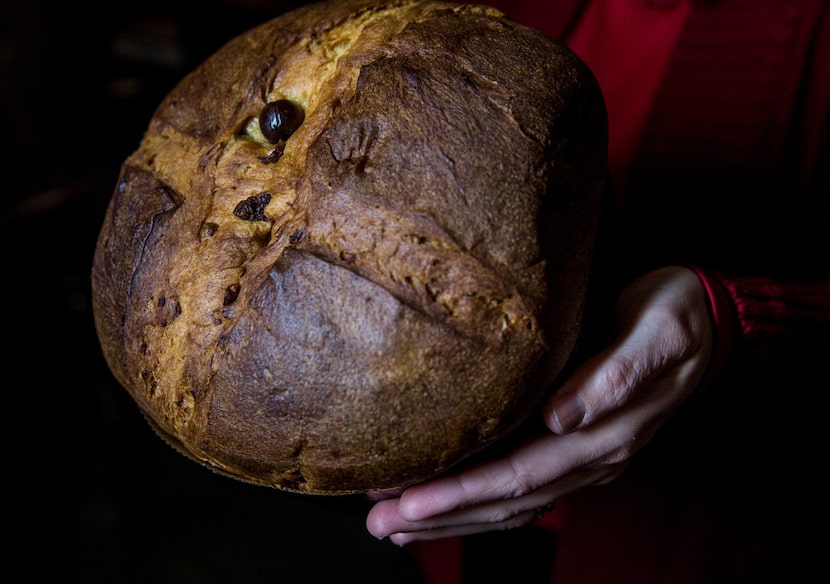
x=556 y=266
x=685 y=448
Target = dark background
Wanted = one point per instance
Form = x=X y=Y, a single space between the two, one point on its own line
x=95 y=496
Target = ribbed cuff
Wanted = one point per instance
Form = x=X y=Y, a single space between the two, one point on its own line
x=722 y=313
x=771 y=312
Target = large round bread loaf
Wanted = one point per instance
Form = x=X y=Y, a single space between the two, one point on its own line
x=381 y=290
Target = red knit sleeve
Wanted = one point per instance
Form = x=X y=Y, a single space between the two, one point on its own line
x=769 y=311
x=759 y=313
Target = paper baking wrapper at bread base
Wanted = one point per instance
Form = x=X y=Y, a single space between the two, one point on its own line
x=389 y=290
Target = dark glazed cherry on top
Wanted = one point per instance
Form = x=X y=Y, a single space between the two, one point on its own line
x=279 y=119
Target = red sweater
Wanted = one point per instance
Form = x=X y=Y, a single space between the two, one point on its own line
x=736 y=139
x=720 y=155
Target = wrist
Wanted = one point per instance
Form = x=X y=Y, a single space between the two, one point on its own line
x=722 y=316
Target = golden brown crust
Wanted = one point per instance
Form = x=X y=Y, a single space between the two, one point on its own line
x=398 y=287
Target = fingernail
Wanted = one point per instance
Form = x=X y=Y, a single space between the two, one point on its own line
x=399 y=539
x=569 y=412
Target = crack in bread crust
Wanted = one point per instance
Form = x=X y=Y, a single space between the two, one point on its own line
x=385 y=292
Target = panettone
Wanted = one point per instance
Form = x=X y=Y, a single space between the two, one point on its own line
x=353 y=246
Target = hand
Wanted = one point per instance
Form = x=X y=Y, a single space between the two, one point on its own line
x=596 y=421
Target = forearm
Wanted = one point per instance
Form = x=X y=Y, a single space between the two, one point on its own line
x=758 y=314
x=763 y=311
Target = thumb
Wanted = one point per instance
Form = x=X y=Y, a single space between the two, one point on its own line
x=599 y=386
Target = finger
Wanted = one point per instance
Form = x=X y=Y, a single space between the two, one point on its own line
x=541 y=471
x=544 y=468
x=600 y=452
x=453 y=500
x=601 y=385
x=615 y=377
x=664 y=320
x=521 y=471
x=491 y=516
x=385 y=520
x=404 y=538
